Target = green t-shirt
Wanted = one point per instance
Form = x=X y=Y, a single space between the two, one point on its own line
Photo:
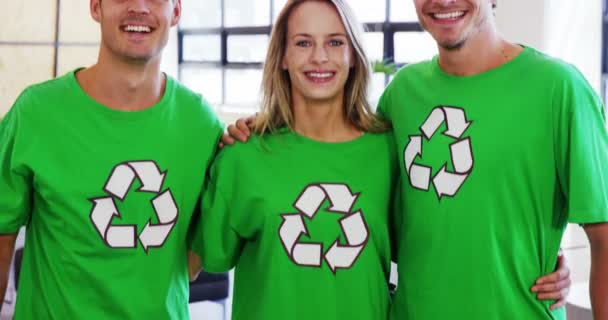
x=493 y=166
x=306 y=225
x=107 y=198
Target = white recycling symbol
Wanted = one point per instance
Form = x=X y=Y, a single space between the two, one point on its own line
x=118 y=184
x=446 y=183
x=353 y=227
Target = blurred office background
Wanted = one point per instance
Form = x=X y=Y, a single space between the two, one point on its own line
x=219 y=47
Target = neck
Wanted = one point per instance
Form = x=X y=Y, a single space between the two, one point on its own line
x=323 y=120
x=123 y=85
x=482 y=52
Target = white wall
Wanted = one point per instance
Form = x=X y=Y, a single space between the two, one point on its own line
x=570 y=30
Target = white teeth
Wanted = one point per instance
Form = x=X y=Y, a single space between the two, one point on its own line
x=449 y=15
x=131 y=28
x=319 y=75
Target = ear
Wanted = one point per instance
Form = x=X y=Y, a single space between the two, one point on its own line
x=177 y=12
x=95 y=8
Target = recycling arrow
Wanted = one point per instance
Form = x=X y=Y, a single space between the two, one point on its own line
x=340 y=197
x=291 y=229
x=341 y=256
x=446 y=183
x=117 y=186
x=308 y=203
x=462 y=158
x=413 y=149
x=307 y=254
x=104 y=210
x=149 y=174
x=121 y=236
x=154 y=235
x=354 y=229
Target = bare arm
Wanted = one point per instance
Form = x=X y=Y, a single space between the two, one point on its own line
x=598 y=282
x=7 y=246
x=194 y=265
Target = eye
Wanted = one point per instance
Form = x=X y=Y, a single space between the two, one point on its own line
x=336 y=43
x=303 y=43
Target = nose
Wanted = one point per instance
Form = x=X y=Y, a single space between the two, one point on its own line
x=138 y=7
x=319 y=54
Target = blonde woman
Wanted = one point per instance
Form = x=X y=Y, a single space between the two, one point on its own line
x=302 y=210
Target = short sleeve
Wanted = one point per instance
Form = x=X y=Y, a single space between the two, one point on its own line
x=582 y=149
x=15 y=180
x=215 y=240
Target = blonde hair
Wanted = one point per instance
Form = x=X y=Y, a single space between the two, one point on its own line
x=276 y=85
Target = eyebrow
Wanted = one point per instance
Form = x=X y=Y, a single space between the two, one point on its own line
x=310 y=36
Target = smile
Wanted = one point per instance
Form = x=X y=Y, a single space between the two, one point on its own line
x=448 y=15
x=138 y=29
x=320 y=77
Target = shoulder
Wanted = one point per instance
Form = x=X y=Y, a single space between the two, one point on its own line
x=409 y=76
x=42 y=99
x=383 y=143
x=40 y=94
x=414 y=70
x=553 y=69
x=569 y=87
x=241 y=153
x=193 y=104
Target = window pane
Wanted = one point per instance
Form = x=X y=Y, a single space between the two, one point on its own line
x=414 y=46
x=241 y=13
x=247 y=48
x=31 y=20
x=206 y=81
x=373 y=43
x=403 y=11
x=74 y=25
x=21 y=66
x=243 y=87
x=278 y=5
x=72 y=57
x=369 y=11
x=202 y=48
x=201 y=14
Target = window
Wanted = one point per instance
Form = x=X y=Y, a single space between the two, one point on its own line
x=223 y=43
x=41 y=40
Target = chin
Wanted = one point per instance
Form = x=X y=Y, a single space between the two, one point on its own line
x=139 y=57
x=452 y=45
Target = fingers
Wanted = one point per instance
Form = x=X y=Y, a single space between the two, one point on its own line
x=239 y=131
x=243 y=125
x=562 y=272
x=556 y=295
x=560 y=303
x=249 y=120
x=226 y=140
x=553 y=287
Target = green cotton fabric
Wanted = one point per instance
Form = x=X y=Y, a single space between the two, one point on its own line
x=107 y=198
x=494 y=166
x=305 y=223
